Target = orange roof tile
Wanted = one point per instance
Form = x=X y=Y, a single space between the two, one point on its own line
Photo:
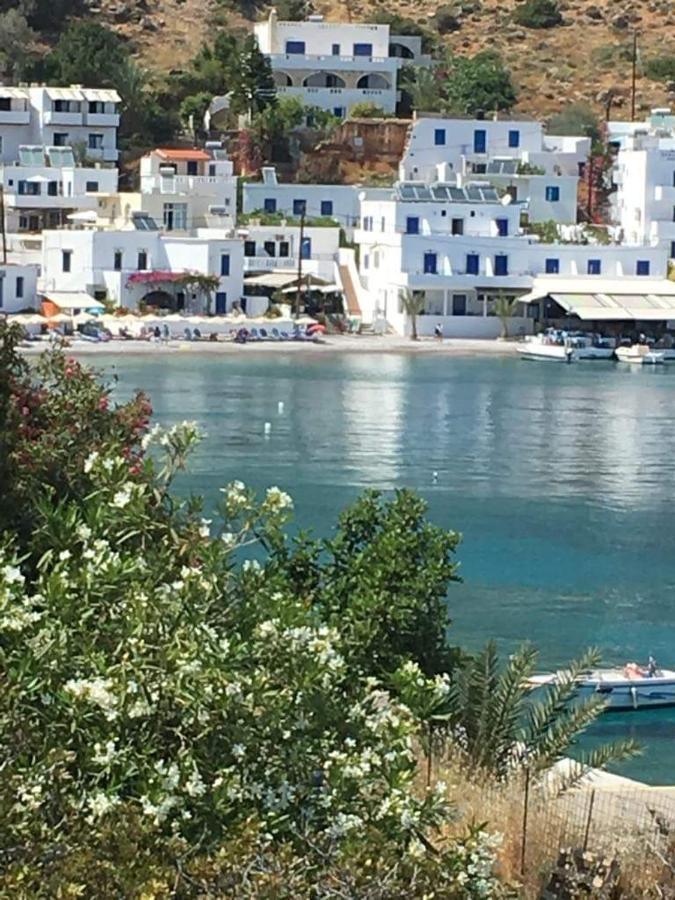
x=183 y=155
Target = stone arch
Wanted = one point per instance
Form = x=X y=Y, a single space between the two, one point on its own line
x=324 y=79
x=159 y=298
x=282 y=79
x=373 y=81
x=400 y=51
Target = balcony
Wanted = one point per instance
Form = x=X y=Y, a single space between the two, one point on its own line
x=209 y=185
x=107 y=154
x=290 y=263
x=52 y=117
x=330 y=98
x=15 y=117
x=332 y=63
x=665 y=193
x=102 y=120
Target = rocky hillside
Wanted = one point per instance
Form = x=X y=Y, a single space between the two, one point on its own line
x=586 y=57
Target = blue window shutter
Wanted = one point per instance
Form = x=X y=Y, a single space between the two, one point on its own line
x=472 y=263
x=306 y=248
x=479 y=140
x=430 y=263
x=552 y=266
x=412 y=225
x=295 y=47
x=501 y=264
x=363 y=49
x=642 y=267
x=594 y=267
x=299 y=207
x=326 y=207
x=514 y=138
x=502 y=227
x=224 y=263
x=439 y=137
x=270 y=205
x=553 y=193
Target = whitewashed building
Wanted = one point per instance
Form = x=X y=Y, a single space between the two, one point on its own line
x=277 y=248
x=542 y=171
x=141 y=264
x=462 y=247
x=18 y=286
x=75 y=116
x=44 y=186
x=335 y=65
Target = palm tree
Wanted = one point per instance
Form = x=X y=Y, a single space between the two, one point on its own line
x=413 y=304
x=505 y=307
x=502 y=729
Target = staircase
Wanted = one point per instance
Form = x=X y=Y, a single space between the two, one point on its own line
x=353 y=305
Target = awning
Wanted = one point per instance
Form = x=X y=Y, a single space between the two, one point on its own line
x=101 y=96
x=628 y=299
x=14 y=93
x=38 y=179
x=271 y=279
x=70 y=93
x=72 y=300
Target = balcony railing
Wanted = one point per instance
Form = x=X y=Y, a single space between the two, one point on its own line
x=15 y=117
x=103 y=120
x=52 y=117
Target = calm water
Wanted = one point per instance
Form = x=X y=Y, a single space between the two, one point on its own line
x=560 y=478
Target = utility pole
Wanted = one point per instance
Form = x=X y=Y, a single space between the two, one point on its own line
x=2 y=225
x=589 y=200
x=302 y=240
x=633 y=78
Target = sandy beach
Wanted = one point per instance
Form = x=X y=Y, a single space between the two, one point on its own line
x=330 y=344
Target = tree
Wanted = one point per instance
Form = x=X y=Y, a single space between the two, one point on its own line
x=367 y=110
x=423 y=86
x=504 y=308
x=538 y=14
x=17 y=39
x=660 y=68
x=446 y=20
x=412 y=303
x=87 y=53
x=576 y=119
x=476 y=83
x=253 y=89
x=192 y=109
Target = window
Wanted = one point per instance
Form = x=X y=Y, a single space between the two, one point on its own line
x=674 y=214
x=5 y=104
x=249 y=248
x=117 y=261
x=673 y=177
x=66 y=260
x=502 y=227
x=270 y=248
x=19 y=287
x=594 y=267
x=552 y=193
x=306 y=252
x=91 y=187
x=552 y=266
x=412 y=225
x=95 y=107
x=642 y=267
x=95 y=142
x=459 y=304
x=472 y=263
x=439 y=137
x=29 y=188
x=53 y=188
x=295 y=47
x=192 y=167
x=366 y=263
x=363 y=49
x=60 y=138
x=326 y=207
x=212 y=170
x=335 y=50
x=299 y=207
x=672 y=249
x=514 y=138
x=224 y=264
x=175 y=216
x=142 y=260
x=501 y=264
x=270 y=205
x=480 y=140
x=457 y=226
x=430 y=263
x=339 y=112
x=2 y=280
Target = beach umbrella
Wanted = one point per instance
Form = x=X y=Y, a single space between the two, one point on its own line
x=83 y=317
x=58 y=319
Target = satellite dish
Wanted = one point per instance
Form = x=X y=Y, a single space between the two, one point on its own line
x=506 y=200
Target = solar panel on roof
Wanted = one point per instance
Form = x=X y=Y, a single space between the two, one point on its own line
x=457 y=194
x=422 y=192
x=440 y=192
x=494 y=167
x=473 y=193
x=31 y=156
x=510 y=166
x=60 y=156
x=143 y=222
x=407 y=192
x=490 y=195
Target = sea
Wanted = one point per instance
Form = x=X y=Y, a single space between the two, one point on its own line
x=560 y=478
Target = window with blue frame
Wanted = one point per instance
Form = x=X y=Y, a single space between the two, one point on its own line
x=363 y=49
x=339 y=112
x=514 y=138
x=336 y=50
x=439 y=137
x=326 y=207
x=502 y=227
x=552 y=266
x=299 y=207
x=552 y=193
x=672 y=249
x=412 y=225
x=270 y=205
x=501 y=264
x=306 y=248
x=295 y=47
x=224 y=263
x=430 y=263
x=594 y=267
x=472 y=263
x=642 y=267
x=479 y=140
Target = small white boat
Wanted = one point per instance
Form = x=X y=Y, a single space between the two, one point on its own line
x=641 y=355
x=627 y=688
x=570 y=348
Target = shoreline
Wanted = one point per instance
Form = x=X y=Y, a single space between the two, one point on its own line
x=330 y=344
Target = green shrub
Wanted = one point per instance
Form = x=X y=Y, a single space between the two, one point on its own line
x=660 y=68
x=446 y=20
x=538 y=14
x=367 y=110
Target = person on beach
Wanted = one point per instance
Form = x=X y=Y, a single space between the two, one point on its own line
x=438 y=332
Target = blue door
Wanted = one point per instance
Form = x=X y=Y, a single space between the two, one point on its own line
x=221 y=303
x=503 y=227
x=430 y=260
x=479 y=140
x=306 y=248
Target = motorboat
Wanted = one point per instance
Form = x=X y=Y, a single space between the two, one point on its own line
x=629 y=687
x=641 y=355
x=563 y=347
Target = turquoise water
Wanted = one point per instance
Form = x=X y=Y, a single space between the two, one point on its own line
x=560 y=478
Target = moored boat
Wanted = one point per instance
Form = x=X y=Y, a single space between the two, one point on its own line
x=641 y=355
x=561 y=347
x=629 y=688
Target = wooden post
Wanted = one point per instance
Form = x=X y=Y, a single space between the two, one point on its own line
x=587 y=830
x=302 y=238
x=523 y=843
x=633 y=78
x=2 y=225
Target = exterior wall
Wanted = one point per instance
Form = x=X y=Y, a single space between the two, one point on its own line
x=324 y=245
x=319 y=37
x=344 y=198
x=479 y=219
x=339 y=101
x=645 y=200
x=17 y=288
x=532 y=190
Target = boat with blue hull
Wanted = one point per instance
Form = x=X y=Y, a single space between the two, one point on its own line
x=629 y=688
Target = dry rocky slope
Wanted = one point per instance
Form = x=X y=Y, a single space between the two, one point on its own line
x=583 y=59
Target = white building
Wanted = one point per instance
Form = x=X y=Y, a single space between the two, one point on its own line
x=44 y=186
x=461 y=247
x=644 y=204
x=660 y=121
x=276 y=248
x=128 y=267
x=18 y=285
x=539 y=170
x=84 y=118
x=336 y=65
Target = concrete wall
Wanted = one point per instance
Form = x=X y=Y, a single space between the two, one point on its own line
x=17 y=288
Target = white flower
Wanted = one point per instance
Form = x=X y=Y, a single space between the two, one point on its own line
x=194 y=786
x=103 y=756
x=95 y=690
x=228 y=539
x=12 y=575
x=278 y=499
x=238 y=751
x=64 y=555
x=83 y=532
x=100 y=804
x=108 y=464
x=204 y=530
x=89 y=461
x=250 y=565
x=150 y=436
x=122 y=497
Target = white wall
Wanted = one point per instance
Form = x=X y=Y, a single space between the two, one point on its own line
x=645 y=198
x=479 y=219
x=319 y=37
x=344 y=199
x=17 y=288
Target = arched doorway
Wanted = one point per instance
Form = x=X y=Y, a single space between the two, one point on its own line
x=374 y=81
x=282 y=79
x=324 y=79
x=400 y=51
x=160 y=300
